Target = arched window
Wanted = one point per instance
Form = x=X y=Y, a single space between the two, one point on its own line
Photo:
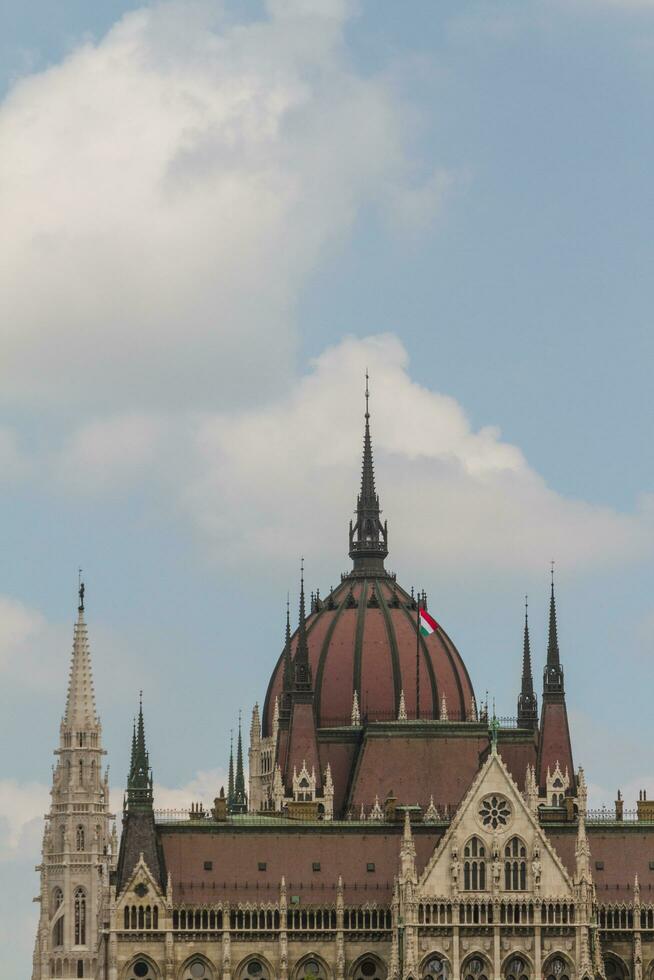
x=557 y=969
x=516 y=969
x=254 y=969
x=81 y=771
x=474 y=865
x=80 y=917
x=79 y=838
x=140 y=970
x=311 y=969
x=62 y=837
x=58 y=932
x=475 y=969
x=197 y=969
x=369 y=969
x=515 y=865
x=614 y=969
x=436 y=968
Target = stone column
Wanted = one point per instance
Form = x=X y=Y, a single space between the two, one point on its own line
x=497 y=952
x=456 y=951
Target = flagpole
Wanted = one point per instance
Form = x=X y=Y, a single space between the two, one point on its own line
x=418 y=656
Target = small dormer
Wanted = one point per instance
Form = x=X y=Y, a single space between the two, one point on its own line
x=557 y=785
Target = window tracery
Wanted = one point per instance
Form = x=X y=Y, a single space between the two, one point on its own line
x=515 y=865
x=255 y=969
x=80 y=917
x=557 y=969
x=436 y=968
x=516 y=969
x=475 y=969
x=369 y=969
x=494 y=812
x=474 y=865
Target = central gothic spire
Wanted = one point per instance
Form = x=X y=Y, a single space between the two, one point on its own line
x=368 y=536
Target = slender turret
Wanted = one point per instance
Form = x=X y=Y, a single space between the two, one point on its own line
x=527 y=705
x=554 y=745
x=368 y=536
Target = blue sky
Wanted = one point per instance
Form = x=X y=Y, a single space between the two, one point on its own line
x=214 y=217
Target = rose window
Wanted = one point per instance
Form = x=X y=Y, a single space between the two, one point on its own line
x=495 y=812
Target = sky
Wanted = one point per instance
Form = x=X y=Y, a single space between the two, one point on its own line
x=214 y=218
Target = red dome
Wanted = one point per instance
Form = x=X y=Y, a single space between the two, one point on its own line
x=363 y=638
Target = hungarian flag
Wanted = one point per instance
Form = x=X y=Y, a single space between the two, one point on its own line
x=428 y=624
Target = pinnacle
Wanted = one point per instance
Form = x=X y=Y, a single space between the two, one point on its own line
x=80 y=711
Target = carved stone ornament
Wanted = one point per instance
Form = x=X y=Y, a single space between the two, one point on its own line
x=494 y=812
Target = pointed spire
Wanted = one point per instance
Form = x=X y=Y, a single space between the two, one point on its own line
x=368 y=536
x=230 y=778
x=288 y=664
x=401 y=714
x=527 y=705
x=302 y=680
x=553 y=674
x=240 y=799
x=80 y=714
x=139 y=783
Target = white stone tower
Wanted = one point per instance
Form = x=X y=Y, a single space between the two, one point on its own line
x=78 y=842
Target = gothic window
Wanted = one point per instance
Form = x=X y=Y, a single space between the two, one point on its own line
x=614 y=970
x=515 y=865
x=369 y=969
x=58 y=932
x=311 y=969
x=436 y=968
x=557 y=969
x=197 y=970
x=81 y=771
x=140 y=970
x=516 y=969
x=475 y=969
x=255 y=969
x=79 y=838
x=62 y=837
x=474 y=865
x=494 y=812
x=80 y=917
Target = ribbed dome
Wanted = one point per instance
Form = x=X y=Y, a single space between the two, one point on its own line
x=363 y=638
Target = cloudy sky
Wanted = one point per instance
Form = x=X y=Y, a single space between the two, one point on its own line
x=214 y=217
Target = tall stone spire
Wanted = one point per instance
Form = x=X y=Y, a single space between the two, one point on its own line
x=230 y=779
x=139 y=782
x=527 y=706
x=240 y=799
x=554 y=745
x=78 y=843
x=302 y=672
x=139 y=837
x=287 y=676
x=553 y=673
x=368 y=536
x=80 y=702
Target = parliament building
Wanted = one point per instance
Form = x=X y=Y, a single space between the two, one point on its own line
x=387 y=825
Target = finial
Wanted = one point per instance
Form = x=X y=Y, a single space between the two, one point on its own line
x=552 y=564
x=80 y=590
x=367 y=395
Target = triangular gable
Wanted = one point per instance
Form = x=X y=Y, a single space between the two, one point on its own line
x=141 y=875
x=447 y=861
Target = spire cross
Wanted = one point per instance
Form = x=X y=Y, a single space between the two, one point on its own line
x=552 y=564
x=80 y=590
x=367 y=396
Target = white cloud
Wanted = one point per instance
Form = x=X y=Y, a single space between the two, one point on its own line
x=22 y=806
x=110 y=453
x=166 y=191
x=281 y=479
x=13 y=462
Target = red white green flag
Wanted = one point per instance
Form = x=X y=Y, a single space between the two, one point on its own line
x=428 y=624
